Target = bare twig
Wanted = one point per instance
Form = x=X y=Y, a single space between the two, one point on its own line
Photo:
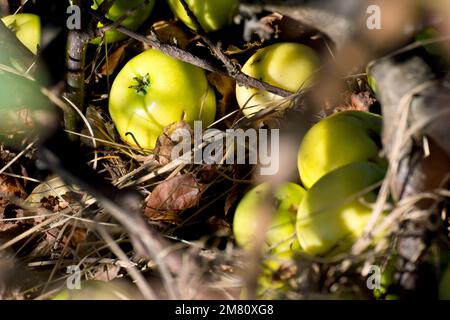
x=119 y=21
x=141 y=283
x=105 y=6
x=231 y=68
x=188 y=57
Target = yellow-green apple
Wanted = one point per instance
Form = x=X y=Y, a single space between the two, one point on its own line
x=289 y=66
x=153 y=91
x=281 y=233
x=211 y=14
x=343 y=138
x=335 y=211
x=135 y=18
x=27 y=28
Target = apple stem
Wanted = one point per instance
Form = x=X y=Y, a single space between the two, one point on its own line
x=143 y=84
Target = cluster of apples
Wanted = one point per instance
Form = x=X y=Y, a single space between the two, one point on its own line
x=146 y=95
x=154 y=90
x=145 y=99
x=340 y=166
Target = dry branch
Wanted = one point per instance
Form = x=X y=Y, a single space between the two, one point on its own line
x=188 y=57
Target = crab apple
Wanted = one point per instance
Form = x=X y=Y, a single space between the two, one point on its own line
x=153 y=91
x=335 y=211
x=341 y=139
x=27 y=28
x=289 y=66
x=212 y=15
x=119 y=9
x=281 y=233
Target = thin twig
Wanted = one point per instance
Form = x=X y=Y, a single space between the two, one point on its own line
x=231 y=68
x=141 y=283
x=188 y=57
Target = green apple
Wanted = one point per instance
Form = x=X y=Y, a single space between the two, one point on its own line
x=331 y=215
x=343 y=138
x=118 y=10
x=289 y=66
x=281 y=233
x=444 y=286
x=211 y=14
x=27 y=28
x=153 y=91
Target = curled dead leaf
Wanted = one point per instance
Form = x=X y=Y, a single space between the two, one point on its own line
x=114 y=59
x=9 y=187
x=174 y=195
x=169 y=31
x=106 y=272
x=227 y=89
x=357 y=101
x=162 y=154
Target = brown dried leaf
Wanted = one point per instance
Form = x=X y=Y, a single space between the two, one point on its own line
x=219 y=225
x=160 y=216
x=227 y=89
x=362 y=101
x=52 y=188
x=79 y=236
x=176 y=194
x=357 y=101
x=234 y=50
x=9 y=188
x=54 y=204
x=162 y=154
x=171 y=32
x=114 y=59
x=106 y=272
x=292 y=30
x=272 y=21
